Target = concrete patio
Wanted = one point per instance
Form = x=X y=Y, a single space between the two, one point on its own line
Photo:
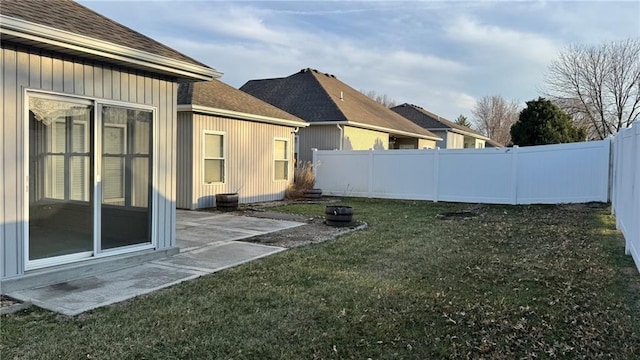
x=208 y=243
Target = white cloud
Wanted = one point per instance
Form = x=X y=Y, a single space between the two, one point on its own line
x=497 y=42
x=439 y=55
x=240 y=22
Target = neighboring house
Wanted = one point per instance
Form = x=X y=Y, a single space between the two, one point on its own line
x=229 y=141
x=340 y=117
x=493 y=144
x=88 y=142
x=453 y=136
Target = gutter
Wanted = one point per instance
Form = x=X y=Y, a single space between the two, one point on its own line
x=377 y=128
x=341 y=136
x=84 y=44
x=466 y=133
x=240 y=115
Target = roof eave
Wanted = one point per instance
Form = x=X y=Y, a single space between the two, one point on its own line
x=240 y=115
x=48 y=35
x=377 y=128
x=461 y=132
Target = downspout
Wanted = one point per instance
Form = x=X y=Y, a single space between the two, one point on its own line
x=296 y=146
x=341 y=136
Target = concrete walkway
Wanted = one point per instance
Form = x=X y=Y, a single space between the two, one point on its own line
x=208 y=243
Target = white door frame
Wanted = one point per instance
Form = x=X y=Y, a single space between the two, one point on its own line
x=97 y=190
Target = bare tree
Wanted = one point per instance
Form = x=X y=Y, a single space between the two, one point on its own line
x=494 y=116
x=599 y=86
x=383 y=99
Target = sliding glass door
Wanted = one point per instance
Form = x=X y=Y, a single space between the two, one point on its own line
x=126 y=177
x=61 y=182
x=80 y=151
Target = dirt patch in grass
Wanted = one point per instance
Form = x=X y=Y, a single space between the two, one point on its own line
x=314 y=231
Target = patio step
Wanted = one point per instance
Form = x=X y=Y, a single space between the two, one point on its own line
x=63 y=273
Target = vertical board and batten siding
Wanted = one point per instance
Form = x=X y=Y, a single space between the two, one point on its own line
x=442 y=144
x=22 y=69
x=249 y=160
x=564 y=173
x=322 y=137
x=454 y=141
x=625 y=197
x=185 y=162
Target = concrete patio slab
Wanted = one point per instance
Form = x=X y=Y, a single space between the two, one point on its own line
x=207 y=242
x=77 y=296
x=217 y=257
x=201 y=227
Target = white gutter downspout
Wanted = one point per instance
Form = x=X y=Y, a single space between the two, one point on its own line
x=341 y=136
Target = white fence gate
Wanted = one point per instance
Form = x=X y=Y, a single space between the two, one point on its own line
x=625 y=199
x=550 y=174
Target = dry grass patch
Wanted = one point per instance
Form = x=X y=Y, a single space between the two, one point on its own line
x=511 y=282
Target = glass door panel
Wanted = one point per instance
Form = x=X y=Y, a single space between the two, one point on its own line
x=61 y=181
x=126 y=177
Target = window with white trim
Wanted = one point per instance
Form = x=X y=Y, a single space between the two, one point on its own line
x=213 y=157
x=67 y=165
x=281 y=159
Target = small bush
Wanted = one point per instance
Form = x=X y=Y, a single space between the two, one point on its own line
x=303 y=179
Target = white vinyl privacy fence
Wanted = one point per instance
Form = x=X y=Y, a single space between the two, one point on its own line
x=550 y=174
x=625 y=197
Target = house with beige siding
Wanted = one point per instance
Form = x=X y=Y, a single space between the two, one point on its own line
x=88 y=142
x=231 y=142
x=454 y=136
x=339 y=116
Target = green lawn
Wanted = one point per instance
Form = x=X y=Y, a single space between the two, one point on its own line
x=512 y=282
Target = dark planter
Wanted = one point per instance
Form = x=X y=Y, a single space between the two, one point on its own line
x=227 y=202
x=338 y=215
x=312 y=193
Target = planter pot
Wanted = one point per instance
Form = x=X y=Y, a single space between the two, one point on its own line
x=227 y=202
x=312 y=193
x=338 y=215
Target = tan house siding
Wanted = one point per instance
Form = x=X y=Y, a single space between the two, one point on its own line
x=249 y=161
x=424 y=143
x=363 y=139
x=473 y=143
x=455 y=141
x=22 y=70
x=321 y=137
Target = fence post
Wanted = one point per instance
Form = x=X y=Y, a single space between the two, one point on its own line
x=370 y=182
x=436 y=173
x=635 y=187
x=514 y=174
x=612 y=179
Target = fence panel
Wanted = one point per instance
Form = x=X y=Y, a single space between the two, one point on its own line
x=344 y=172
x=403 y=177
x=626 y=188
x=475 y=175
x=564 y=173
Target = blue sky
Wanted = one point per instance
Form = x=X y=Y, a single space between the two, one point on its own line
x=440 y=55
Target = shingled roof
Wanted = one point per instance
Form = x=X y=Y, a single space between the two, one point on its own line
x=75 y=19
x=319 y=97
x=431 y=121
x=215 y=94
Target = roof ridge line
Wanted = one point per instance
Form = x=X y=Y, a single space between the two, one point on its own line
x=325 y=91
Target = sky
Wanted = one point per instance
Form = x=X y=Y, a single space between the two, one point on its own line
x=441 y=55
